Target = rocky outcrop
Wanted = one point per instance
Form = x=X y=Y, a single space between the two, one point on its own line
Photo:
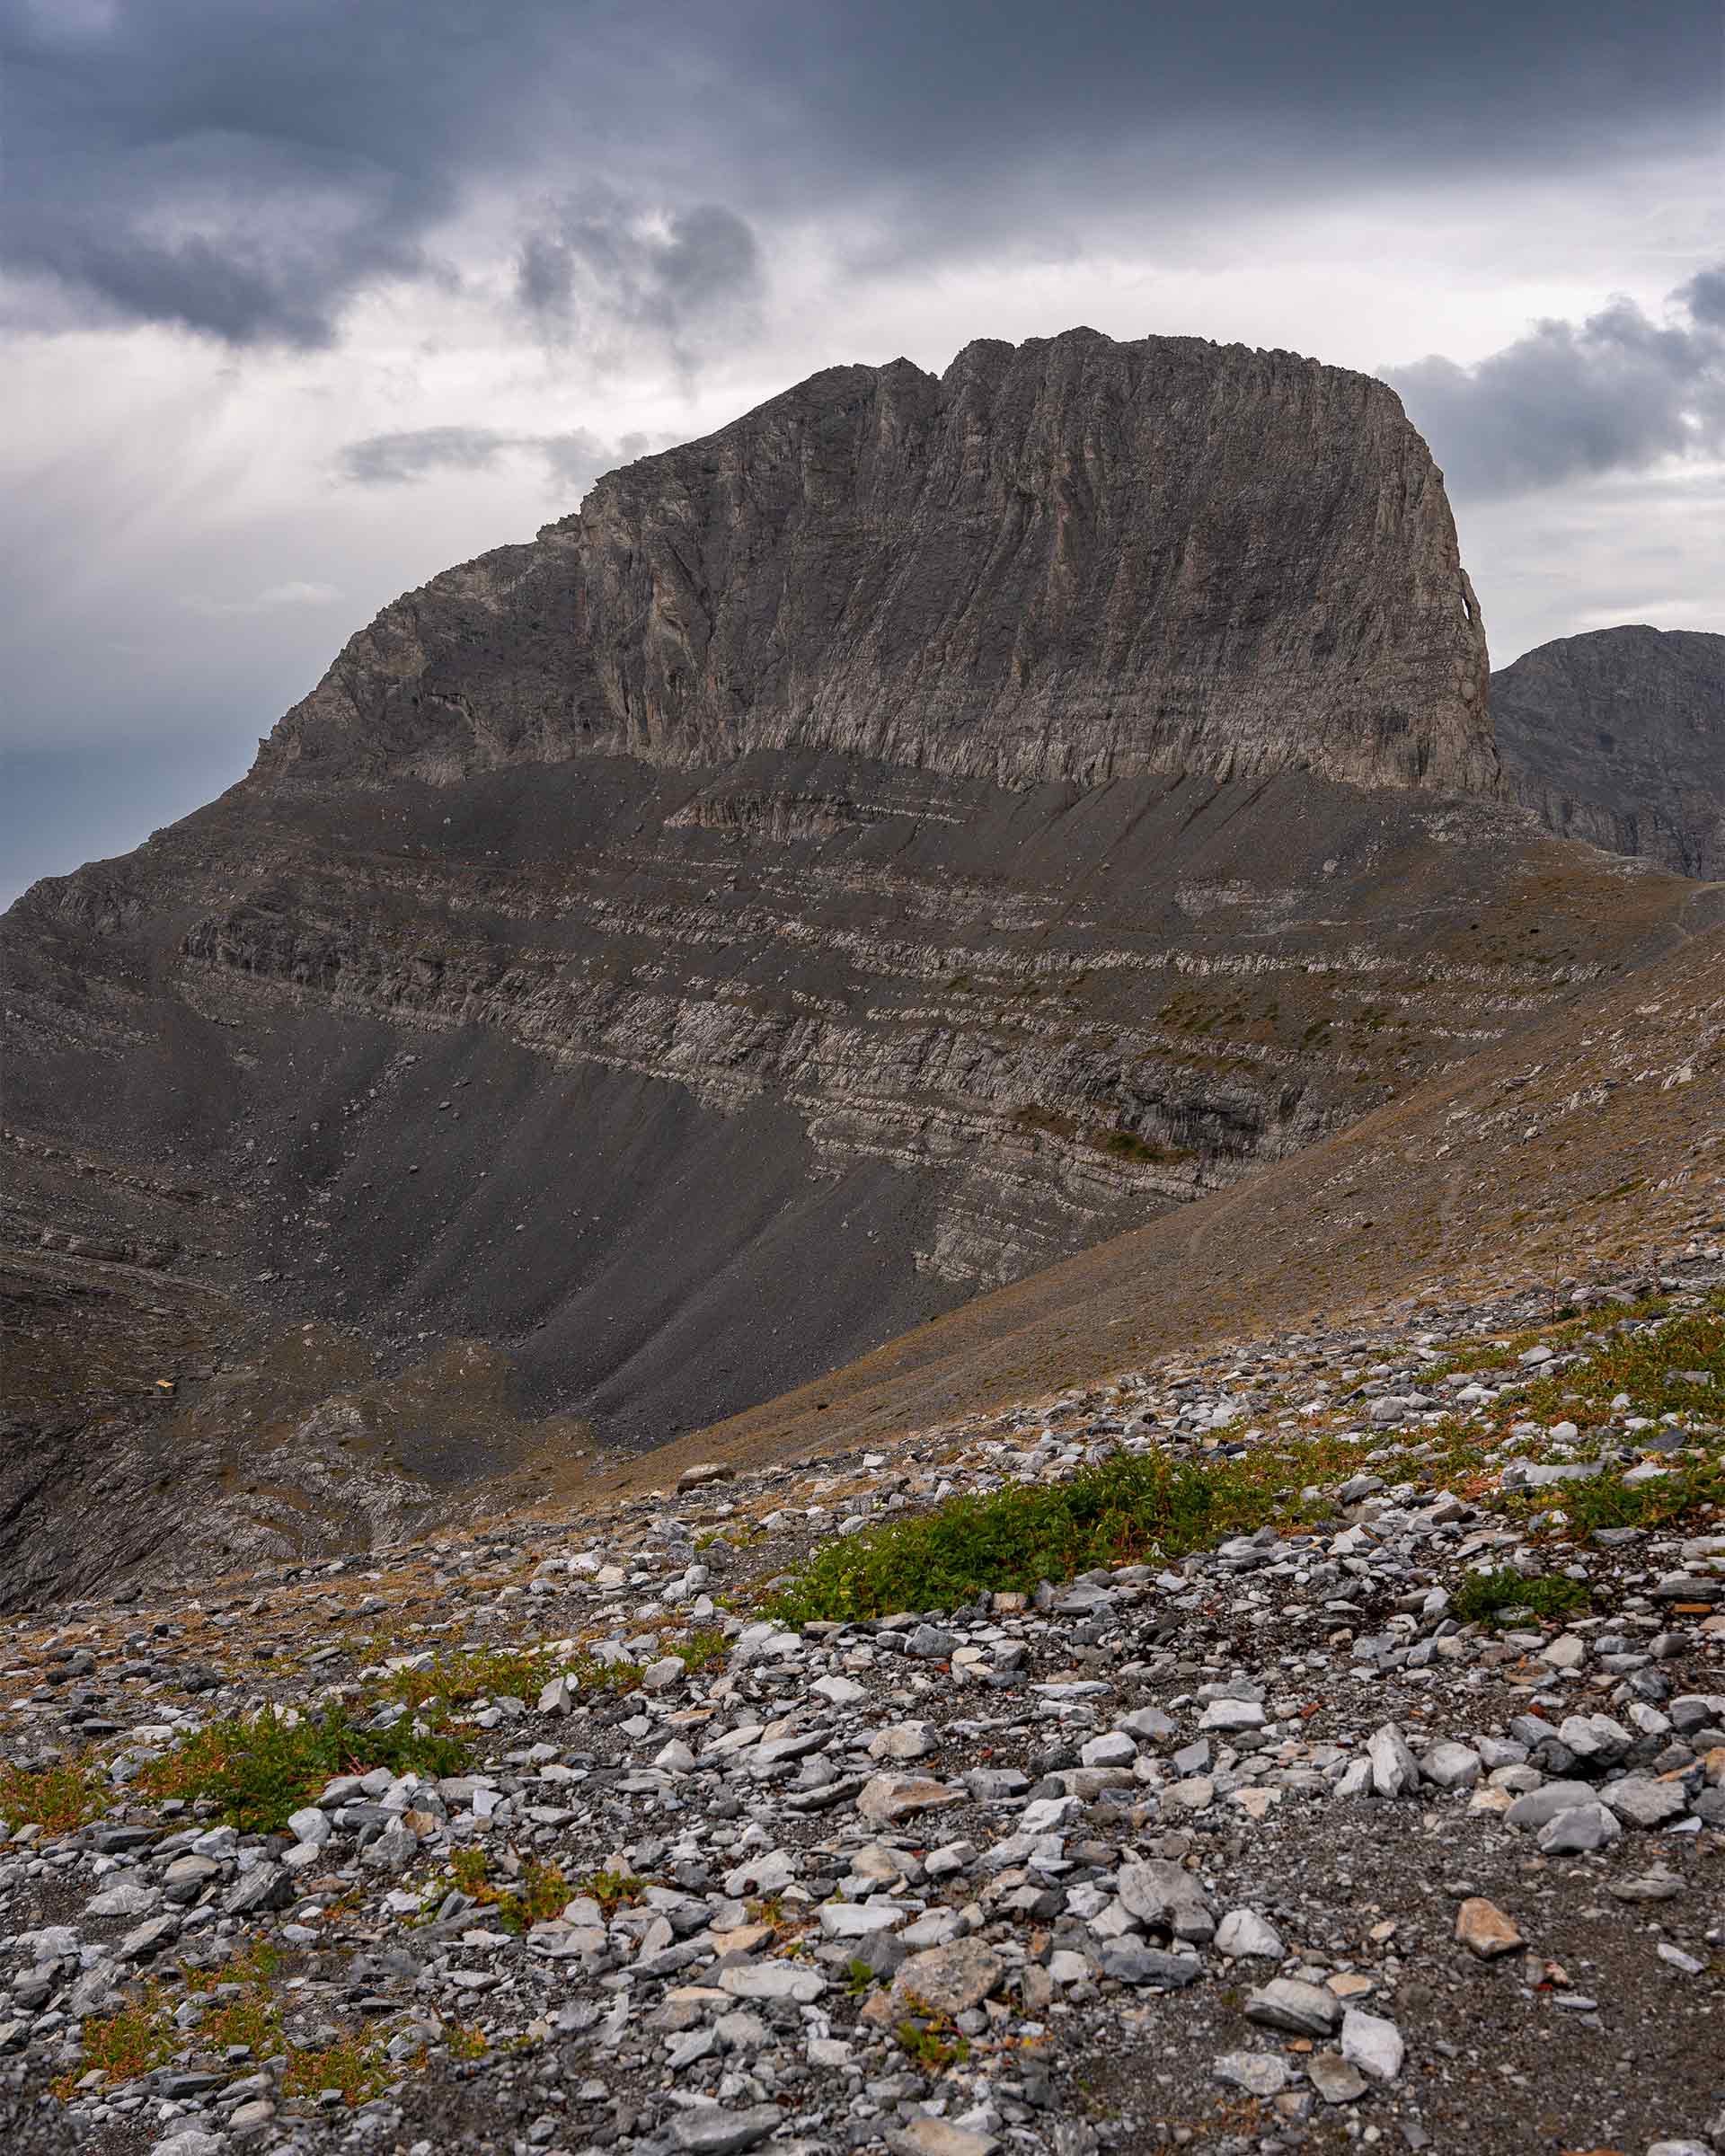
x=1618 y=736
x=1074 y=559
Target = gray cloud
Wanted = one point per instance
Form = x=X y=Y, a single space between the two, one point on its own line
x=572 y=461
x=596 y=267
x=393 y=460
x=1616 y=393
x=246 y=172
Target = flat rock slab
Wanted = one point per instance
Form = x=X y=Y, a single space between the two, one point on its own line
x=1259 y=2072
x=950 y=1979
x=941 y=2137
x=715 y=2132
x=1484 y=1930
x=887 y=1799
x=1302 y=2010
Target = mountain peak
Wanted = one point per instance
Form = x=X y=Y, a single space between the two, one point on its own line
x=1071 y=558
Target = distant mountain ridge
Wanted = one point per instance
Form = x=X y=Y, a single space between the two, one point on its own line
x=1618 y=736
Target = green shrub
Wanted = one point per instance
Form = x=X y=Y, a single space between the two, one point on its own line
x=55 y=1799
x=1497 y=1597
x=261 y=1772
x=1128 y=1509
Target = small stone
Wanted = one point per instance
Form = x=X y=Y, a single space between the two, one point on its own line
x=1166 y=1898
x=1484 y=1930
x=1259 y=2073
x=703 y=1473
x=886 y=1798
x=1243 y=1935
x=1232 y=1714
x=717 y=2132
x=950 y=1979
x=941 y=2137
x=773 y=1980
x=1395 y=1772
x=1301 y=2009
x=1587 y=1827
x=1644 y=1802
x=1451 y=1766
x=1373 y=2044
x=903 y=1740
x=1334 y=2079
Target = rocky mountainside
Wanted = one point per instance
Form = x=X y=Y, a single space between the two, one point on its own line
x=915 y=834
x=1619 y=737
x=1074 y=559
x=1359 y=1776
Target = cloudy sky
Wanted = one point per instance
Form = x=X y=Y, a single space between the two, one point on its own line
x=303 y=300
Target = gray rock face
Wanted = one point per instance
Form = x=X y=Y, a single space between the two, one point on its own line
x=1618 y=738
x=1076 y=559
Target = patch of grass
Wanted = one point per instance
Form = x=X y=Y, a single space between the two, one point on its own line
x=1129 y=1146
x=238 y=2009
x=859 y=1978
x=355 y=2065
x=259 y=1961
x=261 y=1772
x=1498 y=1597
x=703 y=1650
x=58 y=1799
x=932 y=2039
x=539 y=1893
x=133 y=2041
x=611 y=1890
x=454 y=1679
x=1644 y=1365
x=591 y=1674
x=463 y=2043
x=1129 y=1509
x=1607 y=1501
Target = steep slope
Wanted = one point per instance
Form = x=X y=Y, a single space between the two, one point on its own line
x=1618 y=736
x=923 y=829
x=1544 y=1161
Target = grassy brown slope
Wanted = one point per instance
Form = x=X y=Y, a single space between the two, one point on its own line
x=1551 y=1155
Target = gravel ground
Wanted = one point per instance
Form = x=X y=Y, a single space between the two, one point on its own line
x=1261 y=1849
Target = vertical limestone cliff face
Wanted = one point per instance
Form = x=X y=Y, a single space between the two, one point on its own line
x=1074 y=559
x=1618 y=736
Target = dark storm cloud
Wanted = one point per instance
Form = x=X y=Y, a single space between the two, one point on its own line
x=245 y=170
x=1618 y=392
x=572 y=461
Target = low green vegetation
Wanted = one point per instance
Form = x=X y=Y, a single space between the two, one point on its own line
x=211 y=2011
x=1674 y=1499
x=932 y=2039
x=456 y=1679
x=1501 y=1597
x=1657 y=1368
x=612 y=1890
x=57 y=1799
x=705 y=1650
x=261 y=1772
x=1130 y=1509
x=533 y=1895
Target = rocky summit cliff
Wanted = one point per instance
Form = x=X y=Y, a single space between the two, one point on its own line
x=1619 y=737
x=1073 y=560
x=923 y=829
